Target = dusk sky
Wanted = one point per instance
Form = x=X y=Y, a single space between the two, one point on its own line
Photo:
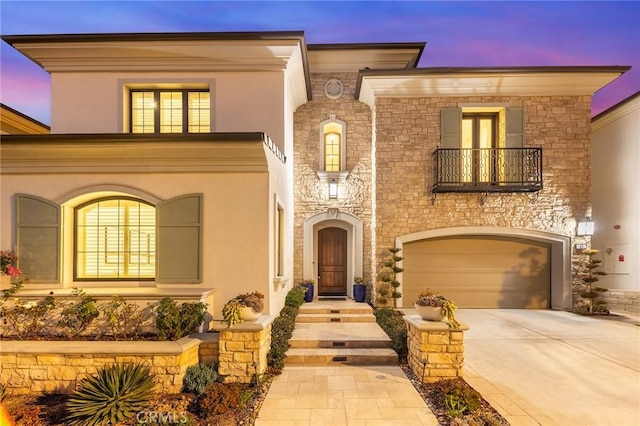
x=460 y=33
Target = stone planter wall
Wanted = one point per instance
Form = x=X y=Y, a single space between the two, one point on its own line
x=435 y=351
x=623 y=301
x=46 y=366
x=243 y=349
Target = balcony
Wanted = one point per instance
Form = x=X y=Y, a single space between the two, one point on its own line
x=488 y=170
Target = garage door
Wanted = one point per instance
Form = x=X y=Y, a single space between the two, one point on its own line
x=479 y=272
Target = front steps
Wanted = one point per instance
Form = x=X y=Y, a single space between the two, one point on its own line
x=339 y=332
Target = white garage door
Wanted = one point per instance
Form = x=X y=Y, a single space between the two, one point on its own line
x=479 y=271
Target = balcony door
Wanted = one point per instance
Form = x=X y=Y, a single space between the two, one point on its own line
x=332 y=262
x=479 y=135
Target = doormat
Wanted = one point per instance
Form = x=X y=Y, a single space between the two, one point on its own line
x=332 y=298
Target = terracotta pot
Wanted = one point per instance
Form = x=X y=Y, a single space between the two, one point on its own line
x=248 y=314
x=429 y=313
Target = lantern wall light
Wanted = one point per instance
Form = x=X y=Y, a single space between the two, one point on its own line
x=586 y=226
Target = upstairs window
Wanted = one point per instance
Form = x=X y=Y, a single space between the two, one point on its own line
x=332 y=145
x=115 y=239
x=479 y=133
x=170 y=111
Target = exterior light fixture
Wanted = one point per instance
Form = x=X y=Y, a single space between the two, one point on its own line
x=333 y=189
x=585 y=227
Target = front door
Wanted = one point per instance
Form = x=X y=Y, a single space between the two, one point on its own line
x=332 y=262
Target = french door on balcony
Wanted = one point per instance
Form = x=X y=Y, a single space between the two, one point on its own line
x=478 y=165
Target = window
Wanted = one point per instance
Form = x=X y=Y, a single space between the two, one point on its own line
x=332 y=145
x=170 y=111
x=115 y=239
x=279 y=237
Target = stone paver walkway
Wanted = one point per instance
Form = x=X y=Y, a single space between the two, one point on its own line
x=344 y=395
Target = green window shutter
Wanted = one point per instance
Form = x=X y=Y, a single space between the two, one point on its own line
x=179 y=225
x=38 y=238
x=514 y=127
x=451 y=128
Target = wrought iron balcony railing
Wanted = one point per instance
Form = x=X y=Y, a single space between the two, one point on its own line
x=488 y=170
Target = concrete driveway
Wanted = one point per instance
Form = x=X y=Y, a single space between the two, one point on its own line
x=542 y=367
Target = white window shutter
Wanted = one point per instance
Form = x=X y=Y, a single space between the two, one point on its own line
x=179 y=240
x=38 y=238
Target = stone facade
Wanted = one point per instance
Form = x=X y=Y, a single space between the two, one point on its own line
x=435 y=351
x=310 y=193
x=60 y=366
x=390 y=160
x=623 y=301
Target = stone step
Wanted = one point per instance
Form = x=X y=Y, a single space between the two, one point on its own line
x=346 y=344
x=317 y=310
x=329 y=356
x=334 y=317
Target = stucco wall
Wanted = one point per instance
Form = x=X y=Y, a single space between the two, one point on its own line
x=241 y=101
x=616 y=199
x=355 y=193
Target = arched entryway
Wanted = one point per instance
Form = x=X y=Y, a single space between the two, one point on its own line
x=488 y=267
x=332 y=251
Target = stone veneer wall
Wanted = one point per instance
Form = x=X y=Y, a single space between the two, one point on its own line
x=46 y=366
x=435 y=351
x=408 y=132
x=355 y=194
x=243 y=349
x=623 y=301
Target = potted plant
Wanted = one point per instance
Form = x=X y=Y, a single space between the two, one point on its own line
x=432 y=306
x=308 y=284
x=244 y=307
x=359 y=289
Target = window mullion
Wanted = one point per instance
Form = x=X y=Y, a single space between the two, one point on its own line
x=157 y=111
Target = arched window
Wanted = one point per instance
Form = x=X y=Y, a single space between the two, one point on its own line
x=115 y=239
x=332 y=145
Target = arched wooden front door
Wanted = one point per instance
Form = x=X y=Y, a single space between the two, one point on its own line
x=332 y=262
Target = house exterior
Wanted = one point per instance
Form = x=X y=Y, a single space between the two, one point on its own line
x=14 y=122
x=205 y=165
x=615 y=199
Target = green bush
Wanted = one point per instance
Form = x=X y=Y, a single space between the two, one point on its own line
x=173 y=323
x=115 y=393
x=393 y=324
x=295 y=297
x=198 y=377
x=124 y=319
x=459 y=398
x=76 y=316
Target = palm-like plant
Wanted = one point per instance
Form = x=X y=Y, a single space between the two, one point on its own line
x=115 y=393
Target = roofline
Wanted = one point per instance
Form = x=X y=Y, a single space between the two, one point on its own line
x=414 y=72
x=26 y=117
x=177 y=36
x=370 y=46
x=137 y=137
x=616 y=106
x=168 y=36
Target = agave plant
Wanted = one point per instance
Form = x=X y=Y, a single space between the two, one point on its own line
x=115 y=393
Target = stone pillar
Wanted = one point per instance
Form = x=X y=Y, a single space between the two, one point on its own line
x=435 y=351
x=243 y=349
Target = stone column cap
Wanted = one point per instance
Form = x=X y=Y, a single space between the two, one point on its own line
x=422 y=325
x=256 y=325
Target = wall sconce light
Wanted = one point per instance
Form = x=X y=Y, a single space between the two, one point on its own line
x=333 y=189
x=585 y=227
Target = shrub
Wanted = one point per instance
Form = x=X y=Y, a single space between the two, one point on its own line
x=253 y=300
x=295 y=297
x=116 y=393
x=28 y=318
x=124 y=319
x=281 y=332
x=219 y=399
x=77 y=316
x=393 y=324
x=459 y=399
x=198 y=377
x=173 y=323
